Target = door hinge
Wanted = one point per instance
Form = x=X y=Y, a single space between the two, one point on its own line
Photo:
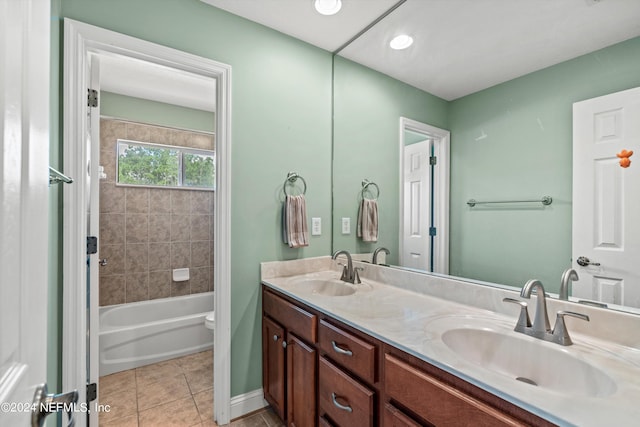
x=92 y=245
x=432 y=231
x=92 y=392
x=92 y=98
x=433 y=160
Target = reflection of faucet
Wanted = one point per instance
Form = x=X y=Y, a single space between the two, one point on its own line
x=540 y=328
x=349 y=274
x=568 y=275
x=374 y=260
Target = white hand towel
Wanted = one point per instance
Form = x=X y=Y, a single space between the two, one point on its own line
x=367 y=227
x=296 y=221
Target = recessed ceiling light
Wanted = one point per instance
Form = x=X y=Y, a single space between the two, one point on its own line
x=328 y=7
x=402 y=41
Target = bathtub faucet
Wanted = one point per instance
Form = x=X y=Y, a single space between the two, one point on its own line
x=349 y=274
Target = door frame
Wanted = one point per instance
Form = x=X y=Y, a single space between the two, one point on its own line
x=80 y=40
x=442 y=139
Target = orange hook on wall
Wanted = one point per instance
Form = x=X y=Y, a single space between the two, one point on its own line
x=624 y=158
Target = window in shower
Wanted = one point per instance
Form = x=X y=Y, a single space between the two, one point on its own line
x=155 y=165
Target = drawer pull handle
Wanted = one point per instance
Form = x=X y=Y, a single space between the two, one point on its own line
x=340 y=350
x=338 y=405
x=275 y=338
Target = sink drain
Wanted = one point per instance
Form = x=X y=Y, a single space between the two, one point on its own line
x=526 y=380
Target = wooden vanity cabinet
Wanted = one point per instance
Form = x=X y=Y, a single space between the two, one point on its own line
x=343 y=399
x=289 y=364
x=301 y=383
x=435 y=401
x=273 y=365
x=394 y=417
x=331 y=374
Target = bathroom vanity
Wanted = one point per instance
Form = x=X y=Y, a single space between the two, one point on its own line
x=376 y=353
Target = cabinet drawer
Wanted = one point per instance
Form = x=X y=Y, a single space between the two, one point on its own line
x=344 y=400
x=437 y=402
x=393 y=417
x=294 y=318
x=348 y=350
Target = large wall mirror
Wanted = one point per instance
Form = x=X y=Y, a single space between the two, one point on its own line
x=509 y=141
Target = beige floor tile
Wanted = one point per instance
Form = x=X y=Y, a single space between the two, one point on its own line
x=200 y=380
x=204 y=403
x=196 y=361
x=180 y=413
x=254 y=420
x=117 y=382
x=163 y=391
x=271 y=418
x=209 y=424
x=130 y=421
x=158 y=371
x=121 y=405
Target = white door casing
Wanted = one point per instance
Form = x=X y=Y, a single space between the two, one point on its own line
x=80 y=40
x=417 y=182
x=24 y=159
x=92 y=184
x=440 y=140
x=606 y=202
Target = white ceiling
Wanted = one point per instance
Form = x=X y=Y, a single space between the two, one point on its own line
x=141 y=79
x=299 y=19
x=460 y=46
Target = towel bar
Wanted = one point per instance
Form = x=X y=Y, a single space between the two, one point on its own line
x=545 y=200
x=365 y=184
x=291 y=178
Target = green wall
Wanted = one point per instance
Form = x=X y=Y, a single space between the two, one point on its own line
x=281 y=121
x=367 y=110
x=527 y=153
x=156 y=113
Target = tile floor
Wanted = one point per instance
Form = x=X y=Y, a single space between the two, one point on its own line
x=173 y=393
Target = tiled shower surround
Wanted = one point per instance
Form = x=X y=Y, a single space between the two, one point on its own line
x=147 y=232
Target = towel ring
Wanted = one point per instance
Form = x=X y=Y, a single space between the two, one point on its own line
x=365 y=184
x=291 y=178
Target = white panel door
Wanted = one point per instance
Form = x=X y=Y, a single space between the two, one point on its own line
x=416 y=212
x=606 y=198
x=24 y=157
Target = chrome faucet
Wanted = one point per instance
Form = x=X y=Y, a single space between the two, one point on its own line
x=349 y=274
x=540 y=327
x=374 y=260
x=568 y=276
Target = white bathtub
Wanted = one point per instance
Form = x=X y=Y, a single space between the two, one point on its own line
x=146 y=332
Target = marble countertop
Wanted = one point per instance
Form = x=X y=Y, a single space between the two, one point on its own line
x=415 y=321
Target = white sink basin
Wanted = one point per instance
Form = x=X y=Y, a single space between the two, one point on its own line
x=541 y=364
x=326 y=287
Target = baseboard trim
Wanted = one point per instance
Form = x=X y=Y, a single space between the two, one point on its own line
x=246 y=403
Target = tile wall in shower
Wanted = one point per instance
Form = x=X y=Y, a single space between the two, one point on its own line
x=146 y=232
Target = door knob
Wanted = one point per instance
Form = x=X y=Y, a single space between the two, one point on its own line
x=103 y=262
x=45 y=404
x=584 y=261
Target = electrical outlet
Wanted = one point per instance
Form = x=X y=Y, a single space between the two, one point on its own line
x=316 y=226
x=346 y=225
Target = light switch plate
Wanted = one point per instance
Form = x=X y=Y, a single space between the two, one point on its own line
x=316 y=226
x=346 y=225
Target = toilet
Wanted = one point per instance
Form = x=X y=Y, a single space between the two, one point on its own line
x=210 y=321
